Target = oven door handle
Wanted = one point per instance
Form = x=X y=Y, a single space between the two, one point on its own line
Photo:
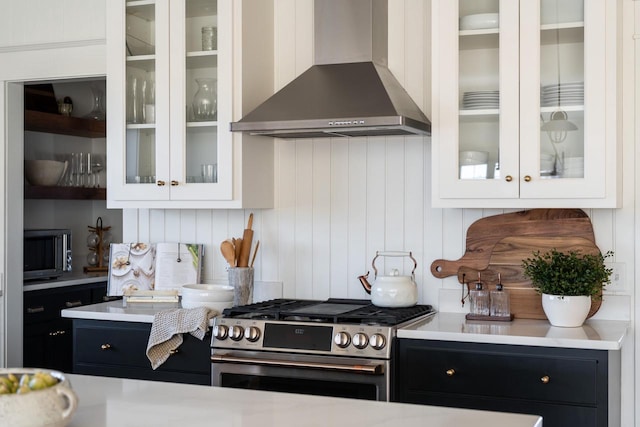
x=376 y=369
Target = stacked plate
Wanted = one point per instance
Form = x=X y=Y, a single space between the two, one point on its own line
x=479 y=21
x=562 y=94
x=481 y=100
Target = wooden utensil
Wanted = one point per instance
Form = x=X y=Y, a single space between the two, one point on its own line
x=238 y=248
x=483 y=234
x=247 y=237
x=228 y=252
x=255 y=252
x=506 y=259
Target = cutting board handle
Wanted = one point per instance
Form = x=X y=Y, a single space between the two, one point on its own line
x=442 y=268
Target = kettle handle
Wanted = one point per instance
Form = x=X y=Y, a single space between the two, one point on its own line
x=394 y=254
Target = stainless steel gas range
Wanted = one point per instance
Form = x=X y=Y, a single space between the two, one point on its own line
x=337 y=347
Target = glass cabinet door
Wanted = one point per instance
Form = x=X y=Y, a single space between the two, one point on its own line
x=145 y=111
x=562 y=115
x=479 y=108
x=195 y=103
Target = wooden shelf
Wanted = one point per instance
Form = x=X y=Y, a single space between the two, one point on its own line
x=74 y=193
x=38 y=121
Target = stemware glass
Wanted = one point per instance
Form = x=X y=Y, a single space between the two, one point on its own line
x=97 y=166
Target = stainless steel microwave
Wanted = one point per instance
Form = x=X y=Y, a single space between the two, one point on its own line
x=47 y=253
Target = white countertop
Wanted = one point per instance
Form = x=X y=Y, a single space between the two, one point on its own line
x=594 y=334
x=115 y=402
x=115 y=311
x=67 y=279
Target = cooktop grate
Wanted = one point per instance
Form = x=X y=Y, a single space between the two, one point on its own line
x=337 y=311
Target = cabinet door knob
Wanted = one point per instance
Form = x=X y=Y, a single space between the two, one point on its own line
x=174 y=183
x=527 y=178
x=105 y=346
x=545 y=379
x=160 y=183
x=508 y=178
x=450 y=372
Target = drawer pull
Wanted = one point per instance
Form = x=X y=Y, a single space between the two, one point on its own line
x=174 y=351
x=174 y=183
x=545 y=379
x=33 y=310
x=70 y=304
x=450 y=372
x=105 y=346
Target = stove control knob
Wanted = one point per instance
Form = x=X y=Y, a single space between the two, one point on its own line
x=236 y=332
x=220 y=332
x=377 y=341
x=360 y=340
x=342 y=339
x=252 y=333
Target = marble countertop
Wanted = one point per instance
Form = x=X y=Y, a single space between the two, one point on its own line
x=115 y=311
x=115 y=402
x=594 y=334
x=67 y=279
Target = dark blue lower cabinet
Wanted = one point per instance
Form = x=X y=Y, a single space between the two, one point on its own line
x=565 y=386
x=118 y=349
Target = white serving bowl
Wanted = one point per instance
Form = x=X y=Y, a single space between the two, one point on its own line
x=214 y=305
x=479 y=21
x=214 y=293
x=473 y=157
x=50 y=407
x=44 y=172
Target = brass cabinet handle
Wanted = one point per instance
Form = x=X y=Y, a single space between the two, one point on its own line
x=105 y=346
x=450 y=372
x=545 y=379
x=174 y=183
x=527 y=178
x=174 y=351
x=73 y=303
x=33 y=310
x=160 y=183
x=508 y=178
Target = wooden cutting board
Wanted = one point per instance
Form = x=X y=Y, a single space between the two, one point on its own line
x=483 y=234
x=506 y=258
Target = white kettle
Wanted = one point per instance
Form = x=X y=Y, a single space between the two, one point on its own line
x=393 y=290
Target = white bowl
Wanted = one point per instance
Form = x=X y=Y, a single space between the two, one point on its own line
x=214 y=305
x=44 y=172
x=214 y=293
x=50 y=407
x=473 y=157
x=479 y=21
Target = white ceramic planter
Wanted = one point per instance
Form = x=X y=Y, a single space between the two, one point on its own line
x=566 y=311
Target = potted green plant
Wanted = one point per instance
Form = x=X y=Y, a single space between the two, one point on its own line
x=567 y=281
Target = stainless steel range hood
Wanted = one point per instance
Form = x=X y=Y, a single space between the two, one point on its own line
x=349 y=91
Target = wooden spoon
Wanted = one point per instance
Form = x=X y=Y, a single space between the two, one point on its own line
x=228 y=252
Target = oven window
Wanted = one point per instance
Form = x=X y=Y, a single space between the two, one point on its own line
x=302 y=386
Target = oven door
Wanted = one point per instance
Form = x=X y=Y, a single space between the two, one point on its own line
x=307 y=374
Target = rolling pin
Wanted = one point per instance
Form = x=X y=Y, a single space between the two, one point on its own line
x=247 y=237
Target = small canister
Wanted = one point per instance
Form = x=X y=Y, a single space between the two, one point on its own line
x=209 y=38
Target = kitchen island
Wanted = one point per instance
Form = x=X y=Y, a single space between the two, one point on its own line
x=114 y=402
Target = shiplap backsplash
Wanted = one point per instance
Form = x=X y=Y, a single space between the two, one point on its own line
x=338 y=200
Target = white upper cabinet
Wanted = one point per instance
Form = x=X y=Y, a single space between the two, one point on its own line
x=170 y=79
x=524 y=104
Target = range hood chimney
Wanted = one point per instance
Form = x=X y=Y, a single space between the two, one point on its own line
x=349 y=91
